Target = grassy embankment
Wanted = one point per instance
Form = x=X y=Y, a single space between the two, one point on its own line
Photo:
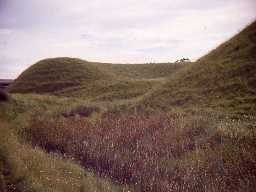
x=92 y=81
x=223 y=80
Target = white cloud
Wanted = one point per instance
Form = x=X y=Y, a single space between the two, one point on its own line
x=115 y=31
x=4 y=31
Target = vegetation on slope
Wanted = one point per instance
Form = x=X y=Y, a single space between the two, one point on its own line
x=111 y=90
x=90 y=80
x=24 y=167
x=53 y=75
x=158 y=152
x=225 y=78
x=151 y=151
x=143 y=71
x=3 y=96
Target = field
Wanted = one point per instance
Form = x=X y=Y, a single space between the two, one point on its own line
x=75 y=125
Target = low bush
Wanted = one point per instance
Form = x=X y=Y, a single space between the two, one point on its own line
x=4 y=96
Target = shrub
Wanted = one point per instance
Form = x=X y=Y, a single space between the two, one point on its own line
x=4 y=96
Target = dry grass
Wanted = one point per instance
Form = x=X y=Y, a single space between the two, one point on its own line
x=24 y=168
x=158 y=152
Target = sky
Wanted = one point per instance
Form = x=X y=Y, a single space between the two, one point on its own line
x=117 y=31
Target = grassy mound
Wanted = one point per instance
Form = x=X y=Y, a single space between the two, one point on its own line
x=53 y=75
x=90 y=80
x=224 y=78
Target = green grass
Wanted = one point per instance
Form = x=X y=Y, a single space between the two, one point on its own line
x=51 y=75
x=142 y=71
x=111 y=90
x=192 y=149
x=223 y=79
x=24 y=167
x=92 y=81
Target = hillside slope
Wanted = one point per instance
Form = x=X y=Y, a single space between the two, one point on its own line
x=52 y=75
x=225 y=78
x=142 y=71
x=91 y=80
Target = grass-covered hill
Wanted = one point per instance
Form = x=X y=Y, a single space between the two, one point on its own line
x=78 y=143
x=52 y=75
x=91 y=80
x=225 y=78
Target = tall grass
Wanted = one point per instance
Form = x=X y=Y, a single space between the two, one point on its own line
x=25 y=168
x=157 y=152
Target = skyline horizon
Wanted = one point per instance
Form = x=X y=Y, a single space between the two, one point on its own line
x=127 y=32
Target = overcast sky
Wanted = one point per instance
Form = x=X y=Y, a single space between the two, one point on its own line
x=119 y=31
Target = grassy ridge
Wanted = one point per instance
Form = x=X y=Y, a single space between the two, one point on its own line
x=90 y=80
x=225 y=78
x=52 y=75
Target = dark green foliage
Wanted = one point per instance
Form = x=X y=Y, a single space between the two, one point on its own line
x=4 y=96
